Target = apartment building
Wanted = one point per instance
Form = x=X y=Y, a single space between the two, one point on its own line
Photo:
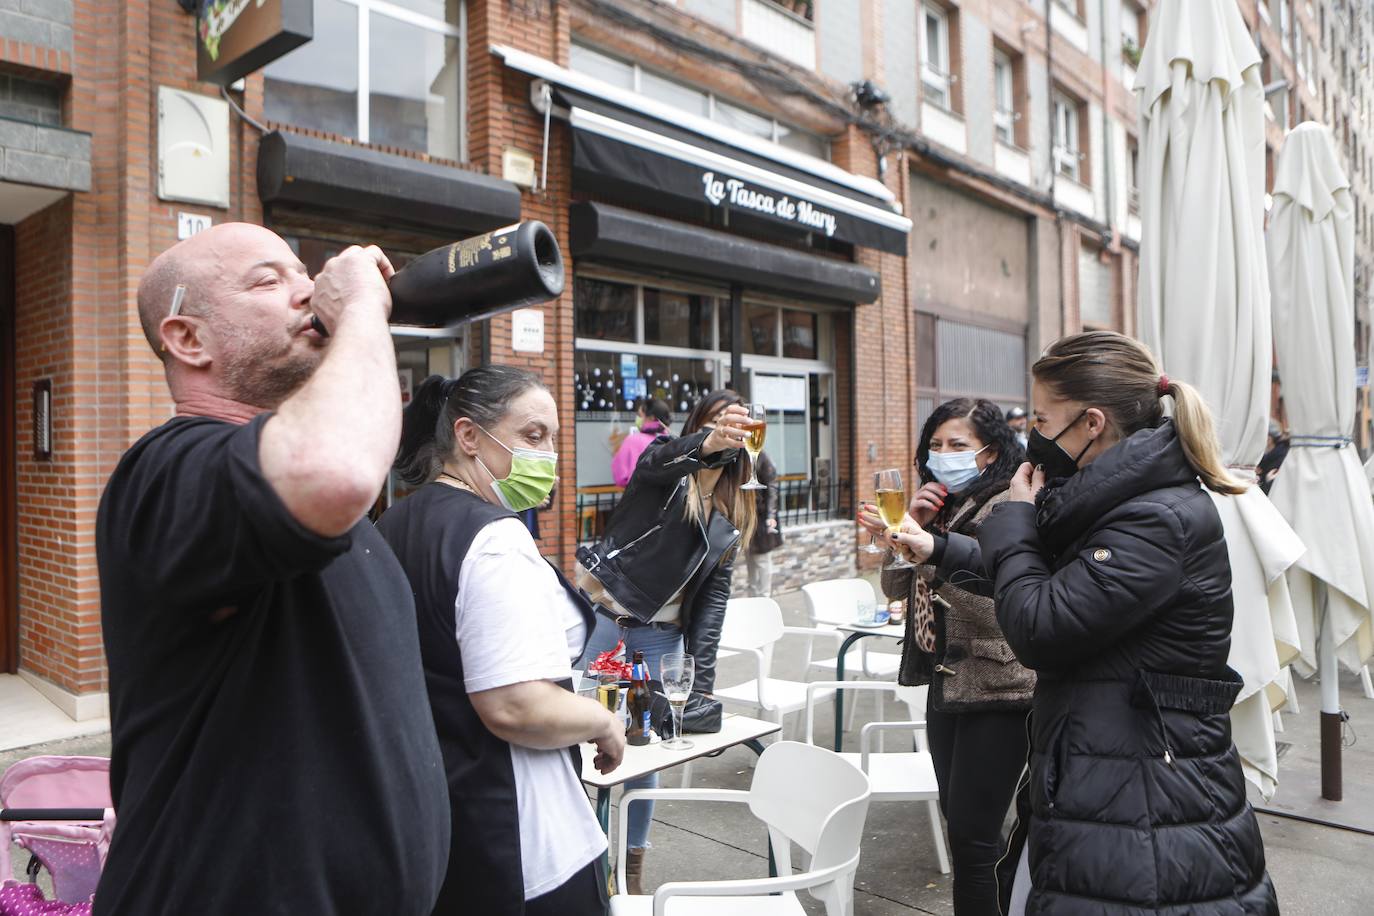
x=849 y=210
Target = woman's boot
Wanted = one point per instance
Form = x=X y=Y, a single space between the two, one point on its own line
x=634 y=870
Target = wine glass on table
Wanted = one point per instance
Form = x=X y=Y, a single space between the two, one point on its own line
x=757 y=427
x=892 y=508
x=677 y=671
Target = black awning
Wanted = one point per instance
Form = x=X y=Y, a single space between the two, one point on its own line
x=617 y=145
x=374 y=186
x=613 y=234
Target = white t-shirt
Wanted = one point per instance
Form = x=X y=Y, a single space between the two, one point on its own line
x=515 y=623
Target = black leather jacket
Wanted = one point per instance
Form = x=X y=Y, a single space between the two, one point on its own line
x=652 y=550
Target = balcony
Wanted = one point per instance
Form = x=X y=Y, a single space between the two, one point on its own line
x=787 y=34
x=944 y=127
x=1073 y=195
x=1012 y=162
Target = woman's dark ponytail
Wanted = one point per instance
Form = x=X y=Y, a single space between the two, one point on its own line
x=483 y=394
x=417 y=460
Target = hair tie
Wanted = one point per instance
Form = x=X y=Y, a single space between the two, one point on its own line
x=1163 y=387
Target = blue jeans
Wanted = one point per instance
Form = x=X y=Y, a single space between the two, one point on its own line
x=655 y=642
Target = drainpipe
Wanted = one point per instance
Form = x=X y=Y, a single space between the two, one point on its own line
x=1054 y=167
x=1108 y=160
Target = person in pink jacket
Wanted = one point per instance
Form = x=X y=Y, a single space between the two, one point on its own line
x=652 y=421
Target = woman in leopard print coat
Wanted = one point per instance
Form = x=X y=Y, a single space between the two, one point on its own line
x=979 y=694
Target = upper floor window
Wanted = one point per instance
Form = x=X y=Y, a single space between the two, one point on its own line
x=935 y=64
x=1133 y=175
x=405 y=90
x=1132 y=32
x=1072 y=7
x=1004 y=89
x=806 y=9
x=661 y=88
x=1068 y=140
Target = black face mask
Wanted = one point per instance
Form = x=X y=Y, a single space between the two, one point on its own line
x=1050 y=456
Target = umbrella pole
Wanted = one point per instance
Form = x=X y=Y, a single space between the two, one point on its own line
x=1331 y=704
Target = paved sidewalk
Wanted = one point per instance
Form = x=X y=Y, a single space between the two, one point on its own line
x=1318 y=870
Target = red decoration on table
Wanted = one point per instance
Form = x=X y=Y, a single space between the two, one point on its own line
x=611 y=662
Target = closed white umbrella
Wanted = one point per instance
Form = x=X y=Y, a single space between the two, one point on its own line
x=1322 y=489
x=1204 y=310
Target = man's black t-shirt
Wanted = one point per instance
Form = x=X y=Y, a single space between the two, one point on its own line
x=273 y=745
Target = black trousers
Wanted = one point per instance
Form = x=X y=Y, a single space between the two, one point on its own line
x=584 y=894
x=978 y=759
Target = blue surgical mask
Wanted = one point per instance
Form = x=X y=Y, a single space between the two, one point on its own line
x=956 y=470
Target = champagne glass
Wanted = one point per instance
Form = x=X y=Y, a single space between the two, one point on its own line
x=757 y=427
x=892 y=507
x=677 y=672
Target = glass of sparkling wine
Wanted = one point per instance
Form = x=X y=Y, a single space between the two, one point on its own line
x=677 y=672
x=892 y=507
x=757 y=427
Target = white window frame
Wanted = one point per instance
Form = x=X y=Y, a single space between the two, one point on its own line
x=1133 y=176
x=1067 y=155
x=1070 y=7
x=365 y=9
x=1130 y=13
x=1004 y=114
x=711 y=99
x=936 y=79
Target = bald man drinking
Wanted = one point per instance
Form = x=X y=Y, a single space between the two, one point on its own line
x=274 y=750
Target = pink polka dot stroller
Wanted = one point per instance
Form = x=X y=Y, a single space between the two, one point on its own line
x=58 y=809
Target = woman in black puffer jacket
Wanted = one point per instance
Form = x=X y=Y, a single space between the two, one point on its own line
x=1112 y=581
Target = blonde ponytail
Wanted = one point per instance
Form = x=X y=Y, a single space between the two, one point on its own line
x=1197 y=434
x=1119 y=375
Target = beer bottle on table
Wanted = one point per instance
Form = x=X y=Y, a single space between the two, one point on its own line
x=640 y=703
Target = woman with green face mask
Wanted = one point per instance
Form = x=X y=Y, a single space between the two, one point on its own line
x=499 y=630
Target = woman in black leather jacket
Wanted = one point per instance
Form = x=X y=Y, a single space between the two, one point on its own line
x=660 y=576
x=1112 y=581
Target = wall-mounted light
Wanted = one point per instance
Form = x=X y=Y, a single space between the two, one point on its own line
x=42 y=420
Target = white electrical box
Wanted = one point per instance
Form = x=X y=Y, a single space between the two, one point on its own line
x=192 y=147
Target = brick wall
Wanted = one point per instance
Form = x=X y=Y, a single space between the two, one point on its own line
x=79 y=263
x=50 y=638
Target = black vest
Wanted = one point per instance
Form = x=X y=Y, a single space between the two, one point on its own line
x=430 y=532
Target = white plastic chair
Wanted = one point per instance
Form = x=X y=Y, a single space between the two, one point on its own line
x=1367 y=683
x=832 y=602
x=752 y=627
x=804 y=795
x=895 y=776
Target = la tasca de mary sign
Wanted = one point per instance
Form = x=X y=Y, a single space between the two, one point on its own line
x=802 y=212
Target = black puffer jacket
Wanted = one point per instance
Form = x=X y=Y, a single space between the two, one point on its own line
x=1116 y=589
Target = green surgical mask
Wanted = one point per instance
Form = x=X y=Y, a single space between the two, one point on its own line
x=531 y=478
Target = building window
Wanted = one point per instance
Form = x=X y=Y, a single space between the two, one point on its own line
x=1069 y=155
x=1005 y=114
x=1073 y=7
x=664 y=89
x=659 y=339
x=1132 y=32
x=1096 y=279
x=1133 y=175
x=803 y=8
x=606 y=311
x=935 y=64
x=406 y=93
